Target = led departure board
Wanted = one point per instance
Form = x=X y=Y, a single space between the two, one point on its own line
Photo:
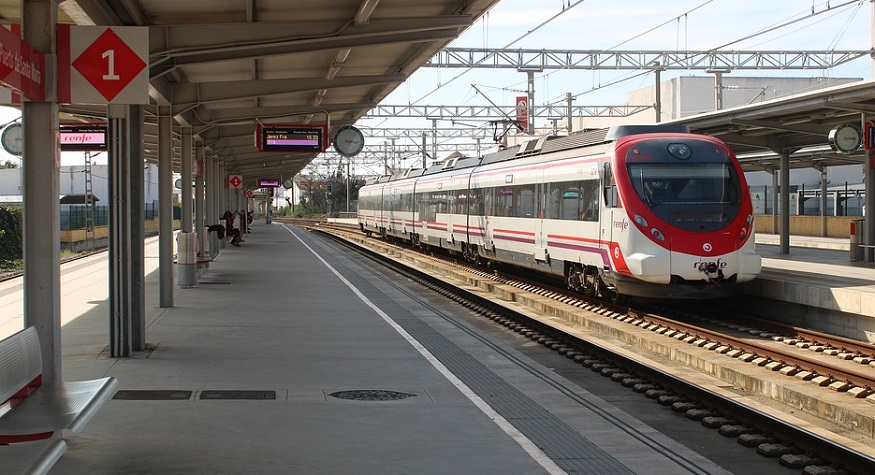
x=268 y=182
x=83 y=138
x=290 y=138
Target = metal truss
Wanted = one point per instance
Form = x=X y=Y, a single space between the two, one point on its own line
x=529 y=59
x=415 y=134
x=496 y=113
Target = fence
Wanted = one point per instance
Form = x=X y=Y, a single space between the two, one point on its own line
x=73 y=216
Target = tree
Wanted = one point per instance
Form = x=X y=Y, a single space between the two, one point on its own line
x=9 y=164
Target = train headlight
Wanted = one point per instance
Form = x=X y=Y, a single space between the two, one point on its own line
x=742 y=233
x=657 y=234
x=681 y=151
x=641 y=221
x=749 y=219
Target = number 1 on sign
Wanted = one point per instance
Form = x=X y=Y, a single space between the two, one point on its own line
x=110 y=55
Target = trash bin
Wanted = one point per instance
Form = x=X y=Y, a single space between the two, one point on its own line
x=217 y=239
x=214 y=244
x=857 y=239
x=186 y=260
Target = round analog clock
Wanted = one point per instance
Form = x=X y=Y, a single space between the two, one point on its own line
x=349 y=141
x=845 y=138
x=12 y=139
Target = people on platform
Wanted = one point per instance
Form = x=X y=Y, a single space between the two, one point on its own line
x=230 y=230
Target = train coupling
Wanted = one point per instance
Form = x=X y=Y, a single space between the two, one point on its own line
x=711 y=271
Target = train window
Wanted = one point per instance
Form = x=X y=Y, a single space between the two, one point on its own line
x=503 y=201
x=697 y=197
x=611 y=195
x=475 y=202
x=524 y=201
x=551 y=209
x=696 y=183
x=574 y=201
x=589 y=201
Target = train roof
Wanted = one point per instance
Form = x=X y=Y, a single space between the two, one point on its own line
x=539 y=146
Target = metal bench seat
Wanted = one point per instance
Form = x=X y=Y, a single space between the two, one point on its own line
x=53 y=407
x=31 y=458
x=34 y=415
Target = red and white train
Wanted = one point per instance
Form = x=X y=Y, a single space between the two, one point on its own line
x=644 y=211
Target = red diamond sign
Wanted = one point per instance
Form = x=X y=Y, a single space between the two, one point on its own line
x=234 y=181
x=109 y=64
x=104 y=65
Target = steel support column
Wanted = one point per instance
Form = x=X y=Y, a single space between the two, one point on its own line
x=199 y=199
x=119 y=233
x=186 y=251
x=165 y=206
x=869 y=189
x=137 y=181
x=41 y=213
x=785 y=202
x=186 y=158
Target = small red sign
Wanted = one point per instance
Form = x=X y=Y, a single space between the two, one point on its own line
x=235 y=181
x=522 y=113
x=109 y=64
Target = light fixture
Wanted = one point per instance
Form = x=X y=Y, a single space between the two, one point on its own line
x=331 y=72
x=363 y=14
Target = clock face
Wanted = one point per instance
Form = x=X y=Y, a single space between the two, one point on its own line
x=349 y=141
x=12 y=139
x=845 y=138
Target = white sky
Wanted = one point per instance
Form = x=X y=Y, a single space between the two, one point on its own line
x=665 y=25
x=636 y=25
x=673 y=25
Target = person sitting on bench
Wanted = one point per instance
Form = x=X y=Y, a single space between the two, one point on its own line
x=230 y=230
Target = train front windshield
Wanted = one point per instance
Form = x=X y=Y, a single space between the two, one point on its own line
x=691 y=196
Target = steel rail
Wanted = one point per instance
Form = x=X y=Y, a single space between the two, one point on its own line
x=801 y=438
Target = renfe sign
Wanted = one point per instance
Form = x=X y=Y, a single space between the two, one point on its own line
x=83 y=138
x=21 y=66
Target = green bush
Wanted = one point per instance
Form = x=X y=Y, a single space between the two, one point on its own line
x=10 y=236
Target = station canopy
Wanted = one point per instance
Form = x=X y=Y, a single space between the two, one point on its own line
x=223 y=67
x=800 y=124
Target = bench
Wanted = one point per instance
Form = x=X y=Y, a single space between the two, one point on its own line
x=35 y=457
x=32 y=412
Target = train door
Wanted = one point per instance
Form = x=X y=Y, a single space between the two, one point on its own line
x=481 y=209
x=606 y=219
x=540 y=231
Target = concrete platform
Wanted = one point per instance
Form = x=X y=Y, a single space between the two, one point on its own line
x=242 y=374
x=822 y=286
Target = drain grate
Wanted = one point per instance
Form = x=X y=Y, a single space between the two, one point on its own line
x=371 y=395
x=214 y=394
x=152 y=395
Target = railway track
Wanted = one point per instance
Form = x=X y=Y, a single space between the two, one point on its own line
x=567 y=323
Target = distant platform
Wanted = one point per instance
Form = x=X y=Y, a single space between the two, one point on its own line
x=829 y=291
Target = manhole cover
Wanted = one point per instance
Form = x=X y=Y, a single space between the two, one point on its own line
x=213 y=394
x=371 y=395
x=152 y=395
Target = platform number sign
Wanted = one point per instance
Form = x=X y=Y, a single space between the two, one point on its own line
x=103 y=65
